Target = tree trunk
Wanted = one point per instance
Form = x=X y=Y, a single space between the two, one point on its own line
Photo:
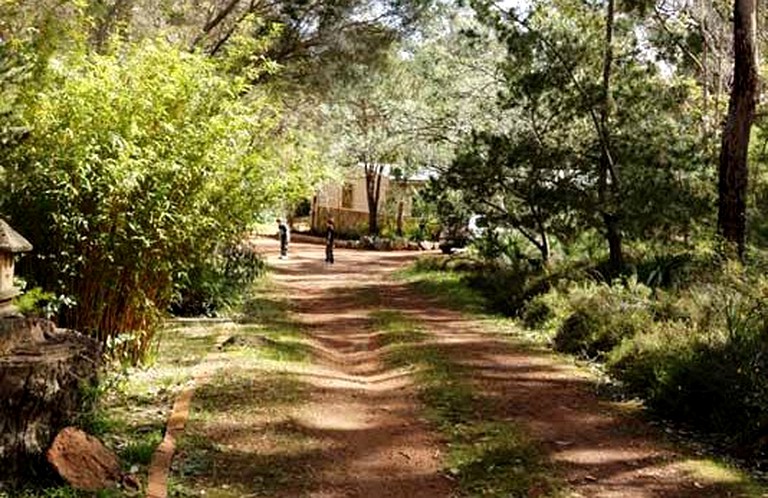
x=373 y=220
x=734 y=172
x=45 y=374
x=313 y=224
x=545 y=250
x=544 y=247
x=373 y=191
x=116 y=18
x=400 y=208
x=613 y=235
x=608 y=179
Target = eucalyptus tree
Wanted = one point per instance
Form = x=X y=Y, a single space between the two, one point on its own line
x=608 y=136
x=368 y=118
x=733 y=172
x=313 y=42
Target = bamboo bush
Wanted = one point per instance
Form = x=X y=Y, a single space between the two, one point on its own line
x=138 y=164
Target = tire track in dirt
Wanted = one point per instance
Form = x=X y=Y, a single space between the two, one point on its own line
x=601 y=450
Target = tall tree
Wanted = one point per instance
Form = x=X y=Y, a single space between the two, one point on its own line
x=608 y=181
x=734 y=170
x=379 y=123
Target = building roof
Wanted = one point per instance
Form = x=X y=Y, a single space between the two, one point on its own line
x=11 y=240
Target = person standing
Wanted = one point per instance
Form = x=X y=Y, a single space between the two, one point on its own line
x=330 y=234
x=283 y=233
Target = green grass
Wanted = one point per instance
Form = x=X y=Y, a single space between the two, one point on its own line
x=255 y=342
x=233 y=390
x=448 y=287
x=224 y=472
x=285 y=350
x=394 y=328
x=184 y=346
x=240 y=439
x=270 y=332
x=487 y=458
x=138 y=450
x=497 y=459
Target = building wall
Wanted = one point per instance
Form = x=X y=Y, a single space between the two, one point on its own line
x=331 y=194
x=329 y=201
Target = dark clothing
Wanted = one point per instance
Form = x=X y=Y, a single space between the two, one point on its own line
x=329 y=236
x=283 y=239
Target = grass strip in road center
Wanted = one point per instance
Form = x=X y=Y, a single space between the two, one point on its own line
x=487 y=457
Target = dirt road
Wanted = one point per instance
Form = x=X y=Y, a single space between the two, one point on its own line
x=382 y=447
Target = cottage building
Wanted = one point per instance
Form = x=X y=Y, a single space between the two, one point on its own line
x=347 y=201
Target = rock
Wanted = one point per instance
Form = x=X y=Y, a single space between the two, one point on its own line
x=83 y=461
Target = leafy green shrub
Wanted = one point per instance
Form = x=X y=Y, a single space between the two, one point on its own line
x=350 y=232
x=709 y=373
x=510 y=285
x=34 y=302
x=537 y=312
x=602 y=317
x=141 y=447
x=428 y=264
x=671 y=306
x=129 y=177
x=217 y=282
x=678 y=270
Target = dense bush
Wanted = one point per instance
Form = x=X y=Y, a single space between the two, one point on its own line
x=708 y=370
x=130 y=177
x=509 y=286
x=602 y=317
x=217 y=283
x=537 y=312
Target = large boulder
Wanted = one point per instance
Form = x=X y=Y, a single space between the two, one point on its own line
x=44 y=376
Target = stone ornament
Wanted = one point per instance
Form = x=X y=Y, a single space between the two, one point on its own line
x=11 y=243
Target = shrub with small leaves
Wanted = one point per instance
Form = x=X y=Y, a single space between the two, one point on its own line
x=603 y=316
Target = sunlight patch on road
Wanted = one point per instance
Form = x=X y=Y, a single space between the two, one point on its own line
x=346 y=418
x=596 y=455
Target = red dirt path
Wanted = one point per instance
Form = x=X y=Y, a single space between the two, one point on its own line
x=384 y=448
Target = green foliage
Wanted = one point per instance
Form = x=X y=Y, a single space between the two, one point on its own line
x=395 y=328
x=602 y=317
x=139 y=450
x=708 y=369
x=431 y=277
x=496 y=460
x=537 y=312
x=508 y=284
x=60 y=492
x=92 y=417
x=448 y=207
x=131 y=178
x=539 y=171
x=35 y=302
x=218 y=283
